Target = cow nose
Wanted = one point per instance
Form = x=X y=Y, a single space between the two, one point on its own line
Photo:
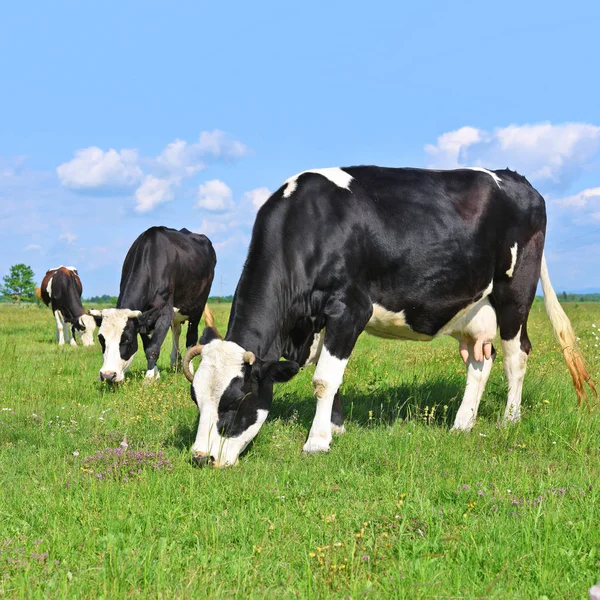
x=109 y=376
x=199 y=460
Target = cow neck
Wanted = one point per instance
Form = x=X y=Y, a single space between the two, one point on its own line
x=132 y=296
x=257 y=320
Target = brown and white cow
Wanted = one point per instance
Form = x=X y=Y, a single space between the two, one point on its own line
x=61 y=290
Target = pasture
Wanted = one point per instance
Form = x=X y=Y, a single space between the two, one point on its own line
x=98 y=498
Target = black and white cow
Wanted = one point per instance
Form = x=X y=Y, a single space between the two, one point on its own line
x=166 y=279
x=61 y=290
x=401 y=253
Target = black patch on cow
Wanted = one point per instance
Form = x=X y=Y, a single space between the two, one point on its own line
x=128 y=343
x=102 y=342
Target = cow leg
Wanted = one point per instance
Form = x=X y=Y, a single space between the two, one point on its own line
x=513 y=297
x=478 y=372
x=515 y=365
x=344 y=324
x=176 y=332
x=337 y=416
x=60 y=335
x=191 y=338
x=152 y=349
x=71 y=337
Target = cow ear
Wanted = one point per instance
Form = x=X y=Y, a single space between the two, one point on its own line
x=278 y=371
x=97 y=314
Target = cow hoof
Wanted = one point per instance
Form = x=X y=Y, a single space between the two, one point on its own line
x=338 y=429
x=316 y=444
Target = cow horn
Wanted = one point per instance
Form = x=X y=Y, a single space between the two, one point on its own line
x=187 y=359
x=248 y=357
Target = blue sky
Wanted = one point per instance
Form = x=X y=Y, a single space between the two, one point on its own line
x=116 y=116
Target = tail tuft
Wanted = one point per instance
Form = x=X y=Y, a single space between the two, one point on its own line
x=566 y=338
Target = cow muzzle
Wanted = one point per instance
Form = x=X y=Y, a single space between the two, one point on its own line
x=199 y=459
x=108 y=376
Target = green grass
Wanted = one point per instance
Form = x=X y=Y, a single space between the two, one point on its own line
x=400 y=507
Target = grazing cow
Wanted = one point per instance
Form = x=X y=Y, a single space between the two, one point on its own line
x=61 y=290
x=165 y=281
x=401 y=253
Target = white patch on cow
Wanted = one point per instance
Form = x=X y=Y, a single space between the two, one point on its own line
x=221 y=362
x=49 y=287
x=513 y=260
x=64 y=267
x=334 y=174
x=87 y=336
x=488 y=172
x=392 y=325
x=326 y=381
x=515 y=365
x=114 y=321
x=315 y=349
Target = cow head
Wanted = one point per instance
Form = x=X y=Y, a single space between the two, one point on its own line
x=234 y=392
x=118 y=338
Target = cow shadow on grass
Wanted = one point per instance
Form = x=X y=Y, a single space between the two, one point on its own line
x=434 y=402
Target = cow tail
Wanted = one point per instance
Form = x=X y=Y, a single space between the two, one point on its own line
x=566 y=338
x=209 y=320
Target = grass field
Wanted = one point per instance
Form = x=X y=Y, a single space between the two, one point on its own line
x=400 y=507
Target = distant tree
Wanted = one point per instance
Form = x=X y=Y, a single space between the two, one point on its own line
x=104 y=299
x=18 y=284
x=564 y=296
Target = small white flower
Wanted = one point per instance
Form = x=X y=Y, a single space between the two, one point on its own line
x=124 y=443
x=34 y=416
x=508 y=491
x=578 y=339
x=482 y=435
x=7 y=409
x=76 y=453
x=554 y=443
x=102 y=418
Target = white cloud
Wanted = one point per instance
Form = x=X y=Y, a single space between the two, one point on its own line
x=179 y=157
x=68 y=237
x=219 y=144
x=446 y=153
x=33 y=247
x=580 y=200
x=257 y=196
x=152 y=192
x=543 y=152
x=92 y=168
x=210 y=227
x=214 y=195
